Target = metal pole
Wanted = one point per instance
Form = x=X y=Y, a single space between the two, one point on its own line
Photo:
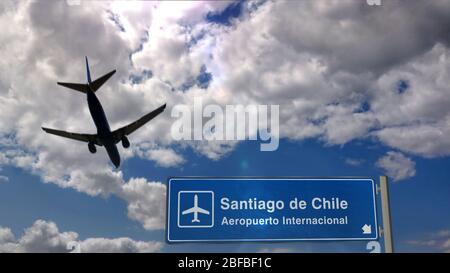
x=386 y=210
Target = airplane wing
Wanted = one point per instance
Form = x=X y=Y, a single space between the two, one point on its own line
x=195 y=209
x=200 y=210
x=130 y=128
x=191 y=210
x=75 y=136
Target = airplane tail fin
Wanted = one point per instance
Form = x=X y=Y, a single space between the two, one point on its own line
x=88 y=73
x=95 y=85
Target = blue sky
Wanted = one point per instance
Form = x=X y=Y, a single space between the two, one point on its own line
x=419 y=204
x=366 y=99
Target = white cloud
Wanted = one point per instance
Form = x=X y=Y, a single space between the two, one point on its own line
x=4 y=178
x=437 y=241
x=354 y=161
x=214 y=150
x=397 y=166
x=322 y=81
x=146 y=199
x=118 y=245
x=146 y=202
x=6 y=236
x=319 y=80
x=164 y=157
x=44 y=236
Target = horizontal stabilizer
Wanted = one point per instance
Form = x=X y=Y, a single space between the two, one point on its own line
x=95 y=85
x=75 y=86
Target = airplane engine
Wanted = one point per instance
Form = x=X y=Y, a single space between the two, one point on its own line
x=92 y=148
x=125 y=142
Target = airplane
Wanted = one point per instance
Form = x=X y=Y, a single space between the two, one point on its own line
x=104 y=137
x=195 y=210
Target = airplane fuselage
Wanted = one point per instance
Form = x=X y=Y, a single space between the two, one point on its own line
x=105 y=136
x=195 y=220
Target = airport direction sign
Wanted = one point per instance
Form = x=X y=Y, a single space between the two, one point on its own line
x=270 y=209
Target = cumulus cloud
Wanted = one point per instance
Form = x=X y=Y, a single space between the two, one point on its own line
x=146 y=199
x=146 y=202
x=324 y=81
x=354 y=161
x=6 y=236
x=44 y=236
x=164 y=157
x=437 y=241
x=4 y=178
x=397 y=166
x=118 y=245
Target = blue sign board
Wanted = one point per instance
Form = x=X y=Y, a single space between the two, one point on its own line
x=271 y=209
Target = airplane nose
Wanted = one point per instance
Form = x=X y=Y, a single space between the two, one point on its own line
x=115 y=159
x=116 y=163
x=113 y=154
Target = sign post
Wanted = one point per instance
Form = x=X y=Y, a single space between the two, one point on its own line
x=271 y=209
x=386 y=212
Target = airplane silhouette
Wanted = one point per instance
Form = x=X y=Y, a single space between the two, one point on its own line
x=195 y=210
x=104 y=137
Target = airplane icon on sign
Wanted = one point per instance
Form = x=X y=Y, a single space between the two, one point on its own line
x=195 y=210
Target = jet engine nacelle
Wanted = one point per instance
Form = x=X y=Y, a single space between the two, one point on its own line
x=92 y=148
x=125 y=142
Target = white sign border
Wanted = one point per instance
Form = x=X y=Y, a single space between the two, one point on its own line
x=376 y=237
x=196 y=226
